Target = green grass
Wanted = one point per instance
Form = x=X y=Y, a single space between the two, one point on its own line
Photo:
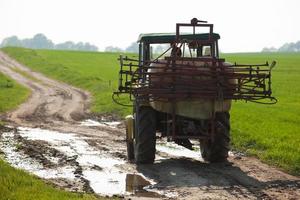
x=17 y=185
x=11 y=94
x=26 y=74
x=270 y=132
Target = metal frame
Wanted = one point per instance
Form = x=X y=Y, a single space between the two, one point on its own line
x=251 y=82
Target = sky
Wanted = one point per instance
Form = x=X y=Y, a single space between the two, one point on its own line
x=244 y=25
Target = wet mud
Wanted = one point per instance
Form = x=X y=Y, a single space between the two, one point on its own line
x=87 y=168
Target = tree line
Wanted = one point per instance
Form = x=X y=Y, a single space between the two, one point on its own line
x=40 y=41
x=134 y=48
x=287 y=47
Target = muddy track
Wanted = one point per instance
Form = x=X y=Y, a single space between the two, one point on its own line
x=96 y=153
x=51 y=101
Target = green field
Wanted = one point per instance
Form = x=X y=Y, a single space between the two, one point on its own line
x=270 y=132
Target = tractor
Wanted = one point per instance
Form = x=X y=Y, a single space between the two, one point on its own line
x=185 y=92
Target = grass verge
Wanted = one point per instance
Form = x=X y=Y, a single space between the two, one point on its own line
x=11 y=94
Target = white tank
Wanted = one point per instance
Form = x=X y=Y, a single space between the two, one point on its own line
x=196 y=109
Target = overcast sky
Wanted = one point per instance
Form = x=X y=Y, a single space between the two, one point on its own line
x=244 y=25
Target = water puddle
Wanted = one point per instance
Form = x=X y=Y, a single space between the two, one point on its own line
x=22 y=161
x=174 y=149
x=97 y=167
x=115 y=182
x=136 y=184
x=90 y=122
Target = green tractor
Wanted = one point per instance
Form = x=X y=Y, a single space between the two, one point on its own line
x=184 y=93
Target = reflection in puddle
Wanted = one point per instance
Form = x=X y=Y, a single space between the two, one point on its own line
x=136 y=184
x=115 y=182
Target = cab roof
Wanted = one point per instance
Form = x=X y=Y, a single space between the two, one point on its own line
x=170 y=37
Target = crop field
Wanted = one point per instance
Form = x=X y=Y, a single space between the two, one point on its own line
x=270 y=132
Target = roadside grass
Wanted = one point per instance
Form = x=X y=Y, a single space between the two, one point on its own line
x=11 y=94
x=25 y=74
x=17 y=184
x=270 y=132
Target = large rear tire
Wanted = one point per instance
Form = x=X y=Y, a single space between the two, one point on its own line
x=217 y=151
x=145 y=135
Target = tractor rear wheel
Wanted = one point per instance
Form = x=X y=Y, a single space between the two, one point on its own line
x=145 y=135
x=217 y=150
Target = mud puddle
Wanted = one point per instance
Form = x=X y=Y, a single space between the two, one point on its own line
x=176 y=150
x=18 y=159
x=84 y=167
x=90 y=122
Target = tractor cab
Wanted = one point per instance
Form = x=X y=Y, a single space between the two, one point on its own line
x=190 y=45
x=147 y=43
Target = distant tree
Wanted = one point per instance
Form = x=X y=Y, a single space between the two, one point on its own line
x=113 y=49
x=287 y=47
x=159 y=49
x=69 y=45
x=271 y=49
x=80 y=46
x=11 y=41
x=40 y=41
x=297 y=45
x=90 y=47
x=133 y=48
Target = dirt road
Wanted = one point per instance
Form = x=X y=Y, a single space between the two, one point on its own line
x=59 y=142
